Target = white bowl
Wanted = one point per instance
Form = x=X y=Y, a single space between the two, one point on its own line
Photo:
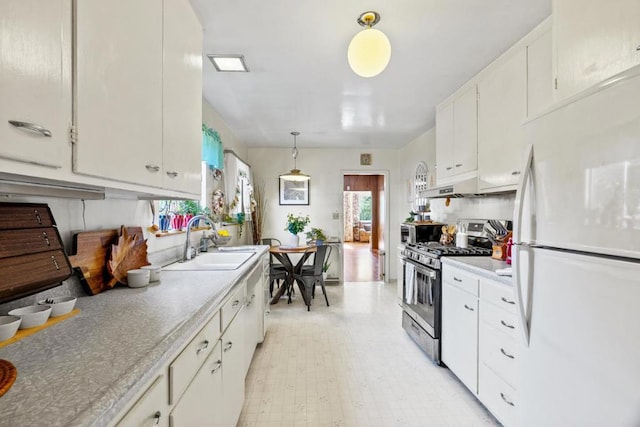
x=8 y=326
x=154 y=272
x=32 y=316
x=138 y=278
x=59 y=305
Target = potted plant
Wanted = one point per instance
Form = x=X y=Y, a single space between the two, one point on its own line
x=325 y=269
x=317 y=235
x=295 y=225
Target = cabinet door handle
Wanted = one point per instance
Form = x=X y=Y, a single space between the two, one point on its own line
x=456 y=279
x=468 y=308
x=203 y=347
x=152 y=168
x=32 y=127
x=217 y=367
x=459 y=165
x=515 y=173
x=46 y=238
x=506 y=400
x=235 y=303
x=228 y=346
x=449 y=168
x=172 y=174
x=510 y=356
x=507 y=300
x=505 y=324
x=638 y=48
x=38 y=217
x=157 y=417
x=55 y=262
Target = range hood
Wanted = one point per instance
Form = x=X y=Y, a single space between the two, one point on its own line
x=465 y=188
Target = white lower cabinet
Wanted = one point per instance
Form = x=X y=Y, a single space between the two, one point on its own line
x=498 y=361
x=460 y=334
x=203 y=384
x=186 y=365
x=479 y=339
x=497 y=396
x=253 y=314
x=203 y=402
x=234 y=370
x=151 y=409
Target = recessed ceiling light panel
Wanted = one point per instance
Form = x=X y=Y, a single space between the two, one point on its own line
x=229 y=63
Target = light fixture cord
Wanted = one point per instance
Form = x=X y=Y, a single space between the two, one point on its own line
x=294 y=152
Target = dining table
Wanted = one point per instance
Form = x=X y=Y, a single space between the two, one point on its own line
x=294 y=270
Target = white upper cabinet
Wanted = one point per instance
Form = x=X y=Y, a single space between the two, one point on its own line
x=35 y=82
x=457 y=136
x=182 y=98
x=118 y=99
x=502 y=108
x=594 y=42
x=138 y=109
x=539 y=74
x=444 y=141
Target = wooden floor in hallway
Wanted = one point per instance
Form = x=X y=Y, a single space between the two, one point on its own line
x=360 y=263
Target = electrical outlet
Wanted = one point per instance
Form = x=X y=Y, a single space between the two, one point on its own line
x=336 y=215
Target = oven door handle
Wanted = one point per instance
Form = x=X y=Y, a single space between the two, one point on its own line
x=431 y=290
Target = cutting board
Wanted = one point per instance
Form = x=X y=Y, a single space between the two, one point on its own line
x=92 y=251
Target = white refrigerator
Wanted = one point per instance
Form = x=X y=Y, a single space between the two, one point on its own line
x=577 y=261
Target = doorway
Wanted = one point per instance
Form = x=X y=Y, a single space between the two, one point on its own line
x=363 y=227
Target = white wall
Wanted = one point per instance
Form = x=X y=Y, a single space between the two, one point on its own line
x=423 y=148
x=213 y=120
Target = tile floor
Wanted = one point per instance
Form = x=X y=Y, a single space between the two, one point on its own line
x=350 y=364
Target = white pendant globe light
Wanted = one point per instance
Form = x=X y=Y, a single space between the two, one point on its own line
x=295 y=174
x=370 y=50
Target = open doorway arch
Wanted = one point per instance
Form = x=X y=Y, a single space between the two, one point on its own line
x=375 y=231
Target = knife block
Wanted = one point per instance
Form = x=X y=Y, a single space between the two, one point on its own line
x=499 y=252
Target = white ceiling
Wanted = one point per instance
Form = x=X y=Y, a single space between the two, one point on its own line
x=299 y=78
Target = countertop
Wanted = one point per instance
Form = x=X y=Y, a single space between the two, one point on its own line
x=84 y=370
x=481 y=265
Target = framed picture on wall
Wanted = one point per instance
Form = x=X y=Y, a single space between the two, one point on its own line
x=294 y=192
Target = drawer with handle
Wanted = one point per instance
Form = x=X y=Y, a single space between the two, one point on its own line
x=28 y=241
x=499 y=351
x=232 y=305
x=497 y=396
x=502 y=320
x=461 y=279
x=185 y=366
x=501 y=295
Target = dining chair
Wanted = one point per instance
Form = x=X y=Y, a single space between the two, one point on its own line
x=312 y=274
x=277 y=271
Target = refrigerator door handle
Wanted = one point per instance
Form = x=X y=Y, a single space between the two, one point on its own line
x=522 y=311
x=520 y=193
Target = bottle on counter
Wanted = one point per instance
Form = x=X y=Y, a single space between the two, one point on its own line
x=509 y=245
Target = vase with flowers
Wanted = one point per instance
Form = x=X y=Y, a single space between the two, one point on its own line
x=295 y=225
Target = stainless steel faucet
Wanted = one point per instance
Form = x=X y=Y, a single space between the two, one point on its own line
x=186 y=254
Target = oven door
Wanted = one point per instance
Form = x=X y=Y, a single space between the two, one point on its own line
x=421 y=296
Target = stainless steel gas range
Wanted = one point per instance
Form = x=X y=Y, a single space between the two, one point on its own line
x=421 y=283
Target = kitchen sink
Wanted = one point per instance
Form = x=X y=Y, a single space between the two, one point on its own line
x=213 y=261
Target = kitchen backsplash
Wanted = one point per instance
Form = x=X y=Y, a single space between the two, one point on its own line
x=497 y=206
